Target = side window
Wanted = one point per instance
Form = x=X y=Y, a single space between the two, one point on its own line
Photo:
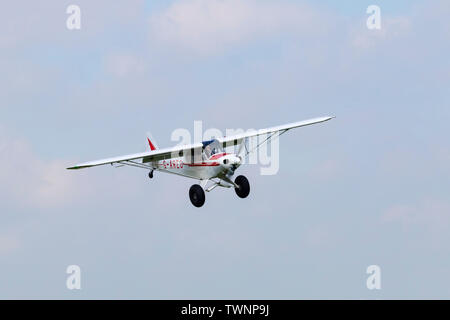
x=207 y=152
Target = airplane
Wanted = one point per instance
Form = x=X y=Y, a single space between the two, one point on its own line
x=206 y=161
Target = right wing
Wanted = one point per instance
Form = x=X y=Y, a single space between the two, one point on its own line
x=237 y=139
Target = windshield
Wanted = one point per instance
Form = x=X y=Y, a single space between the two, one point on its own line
x=211 y=148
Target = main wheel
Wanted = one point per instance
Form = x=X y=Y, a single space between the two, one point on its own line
x=244 y=187
x=197 y=195
x=150 y=174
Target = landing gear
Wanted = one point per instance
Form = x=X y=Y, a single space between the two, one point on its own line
x=150 y=174
x=197 y=195
x=244 y=187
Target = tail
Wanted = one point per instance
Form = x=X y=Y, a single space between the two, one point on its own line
x=151 y=145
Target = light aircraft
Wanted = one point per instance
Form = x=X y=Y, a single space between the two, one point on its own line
x=205 y=161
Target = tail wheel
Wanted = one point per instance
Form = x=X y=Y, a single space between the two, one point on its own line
x=197 y=195
x=244 y=187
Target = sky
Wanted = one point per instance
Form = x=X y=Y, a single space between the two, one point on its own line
x=368 y=188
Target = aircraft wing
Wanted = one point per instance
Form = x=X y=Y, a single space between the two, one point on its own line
x=177 y=151
x=148 y=156
x=237 y=139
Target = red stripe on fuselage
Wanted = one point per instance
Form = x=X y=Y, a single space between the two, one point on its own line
x=217 y=156
x=203 y=164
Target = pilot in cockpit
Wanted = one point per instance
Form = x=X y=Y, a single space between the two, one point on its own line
x=213 y=147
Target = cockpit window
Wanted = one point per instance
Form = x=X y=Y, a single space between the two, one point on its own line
x=211 y=148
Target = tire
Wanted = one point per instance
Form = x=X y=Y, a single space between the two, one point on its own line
x=244 y=187
x=197 y=195
x=150 y=174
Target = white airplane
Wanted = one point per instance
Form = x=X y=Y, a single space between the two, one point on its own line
x=205 y=161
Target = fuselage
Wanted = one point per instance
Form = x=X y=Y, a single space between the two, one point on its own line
x=216 y=165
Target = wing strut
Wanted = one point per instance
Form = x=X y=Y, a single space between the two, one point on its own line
x=277 y=134
x=134 y=164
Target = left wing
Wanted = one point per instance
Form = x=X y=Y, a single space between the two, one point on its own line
x=148 y=156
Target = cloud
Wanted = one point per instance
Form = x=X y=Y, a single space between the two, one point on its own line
x=209 y=26
x=391 y=28
x=30 y=181
x=123 y=64
x=45 y=21
x=426 y=221
x=34 y=182
x=429 y=212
